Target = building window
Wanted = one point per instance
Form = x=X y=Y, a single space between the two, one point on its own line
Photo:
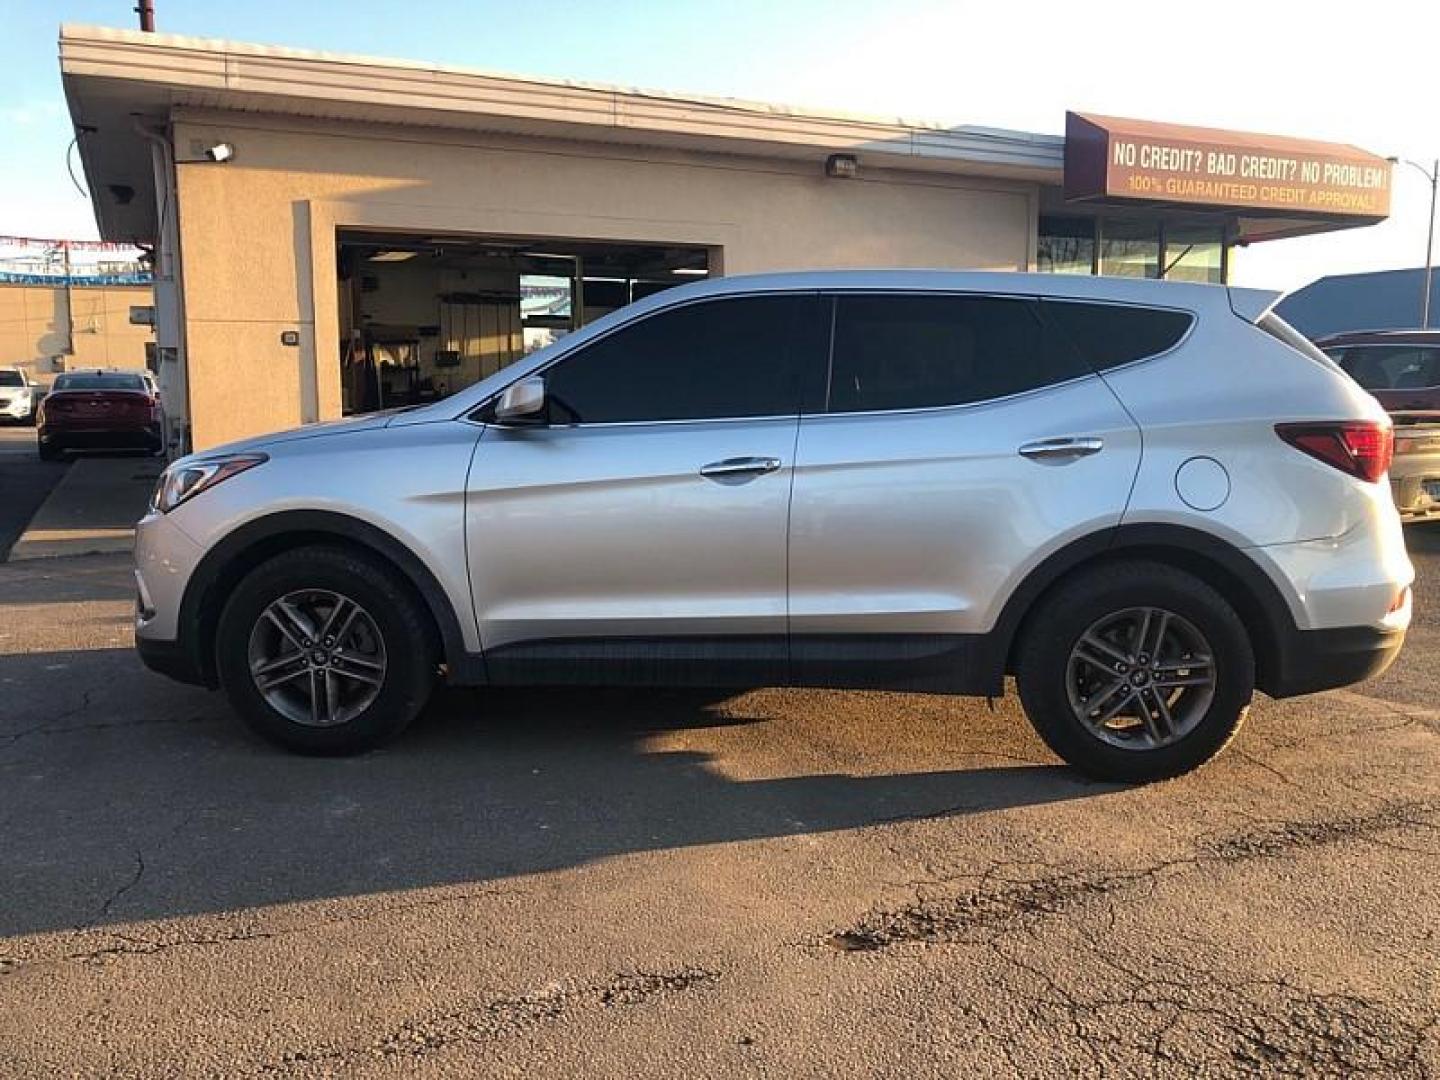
x=1129 y=248
x=1195 y=253
x=1066 y=245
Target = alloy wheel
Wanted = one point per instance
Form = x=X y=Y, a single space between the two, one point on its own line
x=317 y=657
x=1141 y=678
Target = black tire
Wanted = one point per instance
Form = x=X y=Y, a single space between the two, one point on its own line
x=400 y=618
x=50 y=452
x=1056 y=626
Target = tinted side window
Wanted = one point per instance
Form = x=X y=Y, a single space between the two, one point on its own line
x=713 y=359
x=913 y=352
x=1109 y=335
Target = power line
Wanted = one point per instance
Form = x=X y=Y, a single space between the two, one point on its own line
x=70 y=167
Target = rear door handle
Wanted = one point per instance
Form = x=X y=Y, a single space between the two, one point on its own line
x=736 y=467
x=1059 y=450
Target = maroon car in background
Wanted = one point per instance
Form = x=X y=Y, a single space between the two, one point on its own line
x=1402 y=369
x=100 y=410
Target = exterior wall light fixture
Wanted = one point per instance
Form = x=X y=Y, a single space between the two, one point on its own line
x=842 y=166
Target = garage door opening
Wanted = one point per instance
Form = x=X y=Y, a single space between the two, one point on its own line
x=423 y=316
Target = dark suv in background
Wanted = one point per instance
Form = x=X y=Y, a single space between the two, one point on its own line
x=1402 y=369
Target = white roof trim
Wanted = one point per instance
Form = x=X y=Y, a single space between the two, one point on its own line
x=167 y=69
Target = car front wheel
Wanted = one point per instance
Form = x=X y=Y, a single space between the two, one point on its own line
x=1136 y=672
x=325 y=651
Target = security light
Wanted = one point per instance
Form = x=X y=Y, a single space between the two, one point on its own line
x=220 y=151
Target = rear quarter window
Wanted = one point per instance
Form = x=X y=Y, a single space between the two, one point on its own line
x=1109 y=335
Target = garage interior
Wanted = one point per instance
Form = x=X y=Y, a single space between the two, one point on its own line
x=423 y=316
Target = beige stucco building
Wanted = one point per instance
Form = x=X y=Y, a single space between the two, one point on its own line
x=46 y=329
x=337 y=233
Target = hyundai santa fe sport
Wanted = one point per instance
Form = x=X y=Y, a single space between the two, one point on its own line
x=1143 y=500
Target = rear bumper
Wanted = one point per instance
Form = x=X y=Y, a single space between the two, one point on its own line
x=139 y=436
x=1350 y=601
x=1313 y=660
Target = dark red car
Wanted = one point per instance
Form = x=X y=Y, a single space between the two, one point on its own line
x=100 y=410
x=1402 y=369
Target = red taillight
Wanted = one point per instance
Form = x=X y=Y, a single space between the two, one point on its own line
x=1362 y=448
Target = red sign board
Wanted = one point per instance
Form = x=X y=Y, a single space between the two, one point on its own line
x=1111 y=159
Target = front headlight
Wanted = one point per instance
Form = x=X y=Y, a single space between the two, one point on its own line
x=184 y=481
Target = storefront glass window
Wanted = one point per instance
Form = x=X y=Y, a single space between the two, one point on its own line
x=1066 y=246
x=1130 y=248
x=1194 y=253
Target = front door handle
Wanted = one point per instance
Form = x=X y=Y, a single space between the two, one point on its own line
x=1062 y=450
x=736 y=467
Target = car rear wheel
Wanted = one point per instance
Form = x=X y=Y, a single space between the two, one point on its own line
x=50 y=452
x=1136 y=672
x=325 y=651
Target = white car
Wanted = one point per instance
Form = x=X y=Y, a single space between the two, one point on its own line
x=18 y=395
x=1142 y=499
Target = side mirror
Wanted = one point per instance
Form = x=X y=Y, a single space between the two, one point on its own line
x=524 y=400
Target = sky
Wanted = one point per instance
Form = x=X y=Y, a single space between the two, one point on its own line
x=1321 y=69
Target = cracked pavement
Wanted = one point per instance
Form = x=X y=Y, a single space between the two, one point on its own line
x=657 y=884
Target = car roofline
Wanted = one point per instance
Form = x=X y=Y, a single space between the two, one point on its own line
x=1194 y=297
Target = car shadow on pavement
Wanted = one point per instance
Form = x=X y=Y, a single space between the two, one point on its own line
x=124 y=797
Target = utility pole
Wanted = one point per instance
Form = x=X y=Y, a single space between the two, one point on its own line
x=146 y=10
x=1431 y=174
x=1430 y=245
x=69 y=300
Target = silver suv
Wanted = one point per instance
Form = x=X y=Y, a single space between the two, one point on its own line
x=1143 y=500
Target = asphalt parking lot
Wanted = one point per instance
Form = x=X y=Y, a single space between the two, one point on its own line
x=660 y=884
x=25 y=480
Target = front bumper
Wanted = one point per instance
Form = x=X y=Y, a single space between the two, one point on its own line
x=16 y=408
x=170 y=658
x=165 y=561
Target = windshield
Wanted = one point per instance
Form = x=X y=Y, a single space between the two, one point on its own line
x=11 y=378
x=1391 y=367
x=99 y=381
